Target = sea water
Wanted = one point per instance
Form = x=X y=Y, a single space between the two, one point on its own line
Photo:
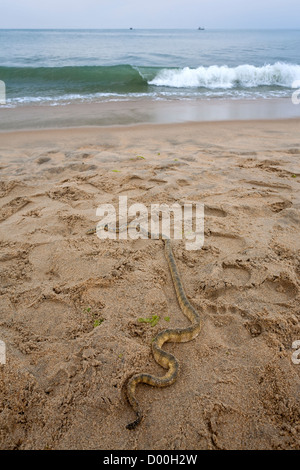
x=60 y=67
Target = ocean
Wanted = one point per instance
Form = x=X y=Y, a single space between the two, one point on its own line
x=61 y=67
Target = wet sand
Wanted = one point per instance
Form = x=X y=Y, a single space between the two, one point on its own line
x=135 y=112
x=70 y=303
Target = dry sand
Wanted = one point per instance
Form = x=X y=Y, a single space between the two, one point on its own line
x=238 y=388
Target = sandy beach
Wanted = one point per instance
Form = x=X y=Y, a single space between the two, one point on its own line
x=70 y=303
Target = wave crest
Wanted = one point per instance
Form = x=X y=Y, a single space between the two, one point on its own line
x=245 y=76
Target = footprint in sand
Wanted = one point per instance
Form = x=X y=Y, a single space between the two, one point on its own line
x=53 y=318
x=235 y=275
x=293 y=151
x=268 y=185
x=6 y=187
x=42 y=160
x=212 y=211
x=280 y=205
x=225 y=329
x=276 y=290
x=226 y=243
x=68 y=194
x=224 y=281
x=182 y=182
x=12 y=207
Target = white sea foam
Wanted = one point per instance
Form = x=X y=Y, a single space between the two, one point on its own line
x=245 y=76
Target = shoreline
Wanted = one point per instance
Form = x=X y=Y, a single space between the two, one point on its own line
x=90 y=135
x=129 y=113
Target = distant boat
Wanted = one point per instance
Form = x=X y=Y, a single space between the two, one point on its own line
x=130 y=28
x=201 y=29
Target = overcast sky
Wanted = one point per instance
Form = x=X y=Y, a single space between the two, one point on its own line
x=149 y=14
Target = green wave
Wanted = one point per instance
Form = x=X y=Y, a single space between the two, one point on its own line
x=53 y=81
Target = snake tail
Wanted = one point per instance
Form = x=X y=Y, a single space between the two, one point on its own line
x=177 y=335
x=165 y=360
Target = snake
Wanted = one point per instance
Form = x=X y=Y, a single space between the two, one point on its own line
x=177 y=335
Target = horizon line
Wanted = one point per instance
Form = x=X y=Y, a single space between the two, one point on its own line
x=152 y=28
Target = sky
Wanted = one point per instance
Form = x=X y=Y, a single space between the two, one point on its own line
x=226 y=14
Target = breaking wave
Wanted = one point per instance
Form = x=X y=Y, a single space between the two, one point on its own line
x=242 y=76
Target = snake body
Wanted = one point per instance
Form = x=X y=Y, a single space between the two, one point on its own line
x=177 y=335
